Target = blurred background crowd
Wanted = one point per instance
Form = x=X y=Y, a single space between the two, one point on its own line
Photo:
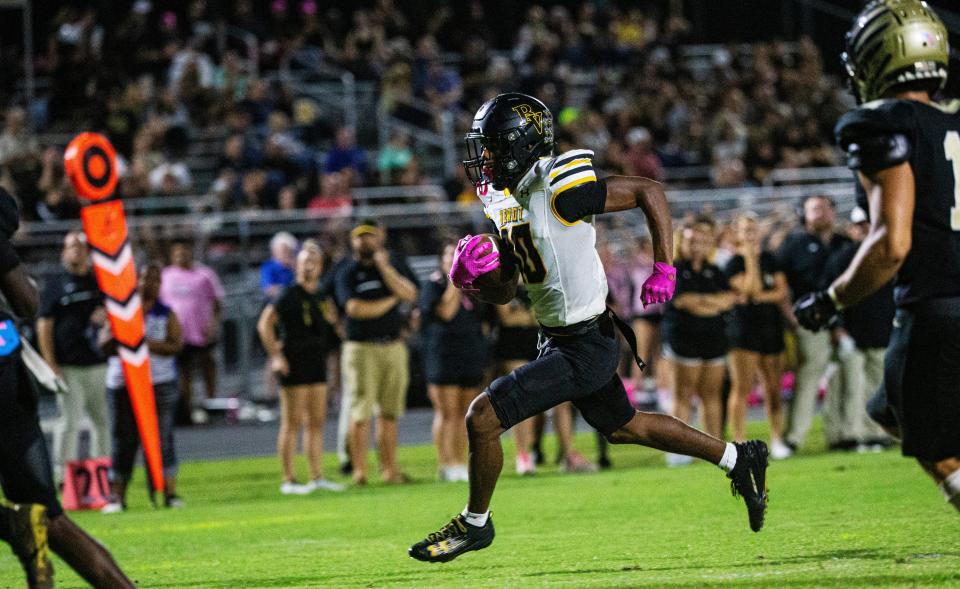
x=258 y=137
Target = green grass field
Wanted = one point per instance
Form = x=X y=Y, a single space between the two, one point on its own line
x=837 y=520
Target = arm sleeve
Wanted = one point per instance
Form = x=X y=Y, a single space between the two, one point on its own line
x=581 y=201
x=571 y=171
x=735 y=266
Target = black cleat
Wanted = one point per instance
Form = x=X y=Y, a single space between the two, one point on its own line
x=748 y=479
x=28 y=538
x=452 y=540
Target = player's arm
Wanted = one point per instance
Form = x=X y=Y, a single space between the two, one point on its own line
x=369 y=309
x=776 y=294
x=891 y=194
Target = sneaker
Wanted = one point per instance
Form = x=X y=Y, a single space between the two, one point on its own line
x=460 y=473
x=604 y=463
x=294 y=488
x=574 y=462
x=525 y=464
x=28 y=538
x=678 y=460
x=346 y=468
x=174 y=502
x=779 y=450
x=113 y=507
x=748 y=479
x=452 y=540
x=326 y=485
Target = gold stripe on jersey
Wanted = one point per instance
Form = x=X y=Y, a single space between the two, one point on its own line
x=587 y=175
x=577 y=162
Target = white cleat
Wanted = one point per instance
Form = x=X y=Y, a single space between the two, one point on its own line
x=325 y=485
x=289 y=488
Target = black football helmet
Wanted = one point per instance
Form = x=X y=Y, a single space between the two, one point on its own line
x=508 y=135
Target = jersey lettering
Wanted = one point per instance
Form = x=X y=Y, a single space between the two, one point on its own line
x=951 y=147
x=531 y=262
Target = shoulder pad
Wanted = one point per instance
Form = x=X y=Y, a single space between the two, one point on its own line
x=880 y=117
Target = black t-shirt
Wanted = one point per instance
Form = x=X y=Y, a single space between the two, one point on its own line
x=932 y=268
x=803 y=257
x=462 y=336
x=756 y=314
x=708 y=280
x=869 y=322
x=300 y=320
x=356 y=280
x=69 y=300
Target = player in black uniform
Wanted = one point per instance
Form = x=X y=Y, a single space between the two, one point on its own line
x=32 y=518
x=905 y=148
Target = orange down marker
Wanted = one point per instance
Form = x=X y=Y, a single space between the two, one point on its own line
x=91 y=165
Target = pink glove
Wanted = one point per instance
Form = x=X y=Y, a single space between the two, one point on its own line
x=659 y=286
x=472 y=258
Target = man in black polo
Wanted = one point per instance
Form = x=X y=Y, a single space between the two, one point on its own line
x=71 y=314
x=803 y=258
x=370 y=289
x=862 y=336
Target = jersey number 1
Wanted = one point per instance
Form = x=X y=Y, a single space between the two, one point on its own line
x=531 y=263
x=951 y=147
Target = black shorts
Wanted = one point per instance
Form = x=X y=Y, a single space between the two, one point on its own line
x=517 y=343
x=461 y=372
x=190 y=354
x=26 y=474
x=921 y=379
x=695 y=347
x=762 y=339
x=307 y=366
x=581 y=367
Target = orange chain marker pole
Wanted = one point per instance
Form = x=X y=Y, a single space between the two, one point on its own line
x=91 y=165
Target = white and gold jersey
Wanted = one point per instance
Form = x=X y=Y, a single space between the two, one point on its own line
x=558 y=260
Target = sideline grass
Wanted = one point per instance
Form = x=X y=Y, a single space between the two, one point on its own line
x=835 y=520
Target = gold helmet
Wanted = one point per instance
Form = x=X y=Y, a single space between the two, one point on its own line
x=894 y=42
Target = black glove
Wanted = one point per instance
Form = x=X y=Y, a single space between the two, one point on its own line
x=815 y=310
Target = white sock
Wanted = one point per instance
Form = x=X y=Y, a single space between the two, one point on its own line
x=475 y=519
x=729 y=459
x=951 y=488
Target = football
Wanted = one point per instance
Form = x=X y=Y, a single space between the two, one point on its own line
x=500 y=284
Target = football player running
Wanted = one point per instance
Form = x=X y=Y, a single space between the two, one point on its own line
x=905 y=149
x=543 y=206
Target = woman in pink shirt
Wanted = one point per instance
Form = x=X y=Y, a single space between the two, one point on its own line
x=195 y=294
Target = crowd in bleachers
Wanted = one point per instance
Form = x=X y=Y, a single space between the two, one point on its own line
x=617 y=80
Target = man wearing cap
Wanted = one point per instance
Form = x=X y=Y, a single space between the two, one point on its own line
x=370 y=289
x=862 y=337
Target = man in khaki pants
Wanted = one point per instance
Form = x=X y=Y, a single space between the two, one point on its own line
x=71 y=314
x=370 y=289
x=802 y=258
x=862 y=340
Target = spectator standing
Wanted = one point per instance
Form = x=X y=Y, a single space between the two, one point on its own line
x=277 y=273
x=454 y=351
x=756 y=332
x=862 y=339
x=803 y=258
x=516 y=345
x=695 y=331
x=646 y=324
x=297 y=332
x=71 y=314
x=375 y=369
x=195 y=294
x=164 y=341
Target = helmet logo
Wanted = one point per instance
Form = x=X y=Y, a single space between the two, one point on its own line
x=531 y=116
